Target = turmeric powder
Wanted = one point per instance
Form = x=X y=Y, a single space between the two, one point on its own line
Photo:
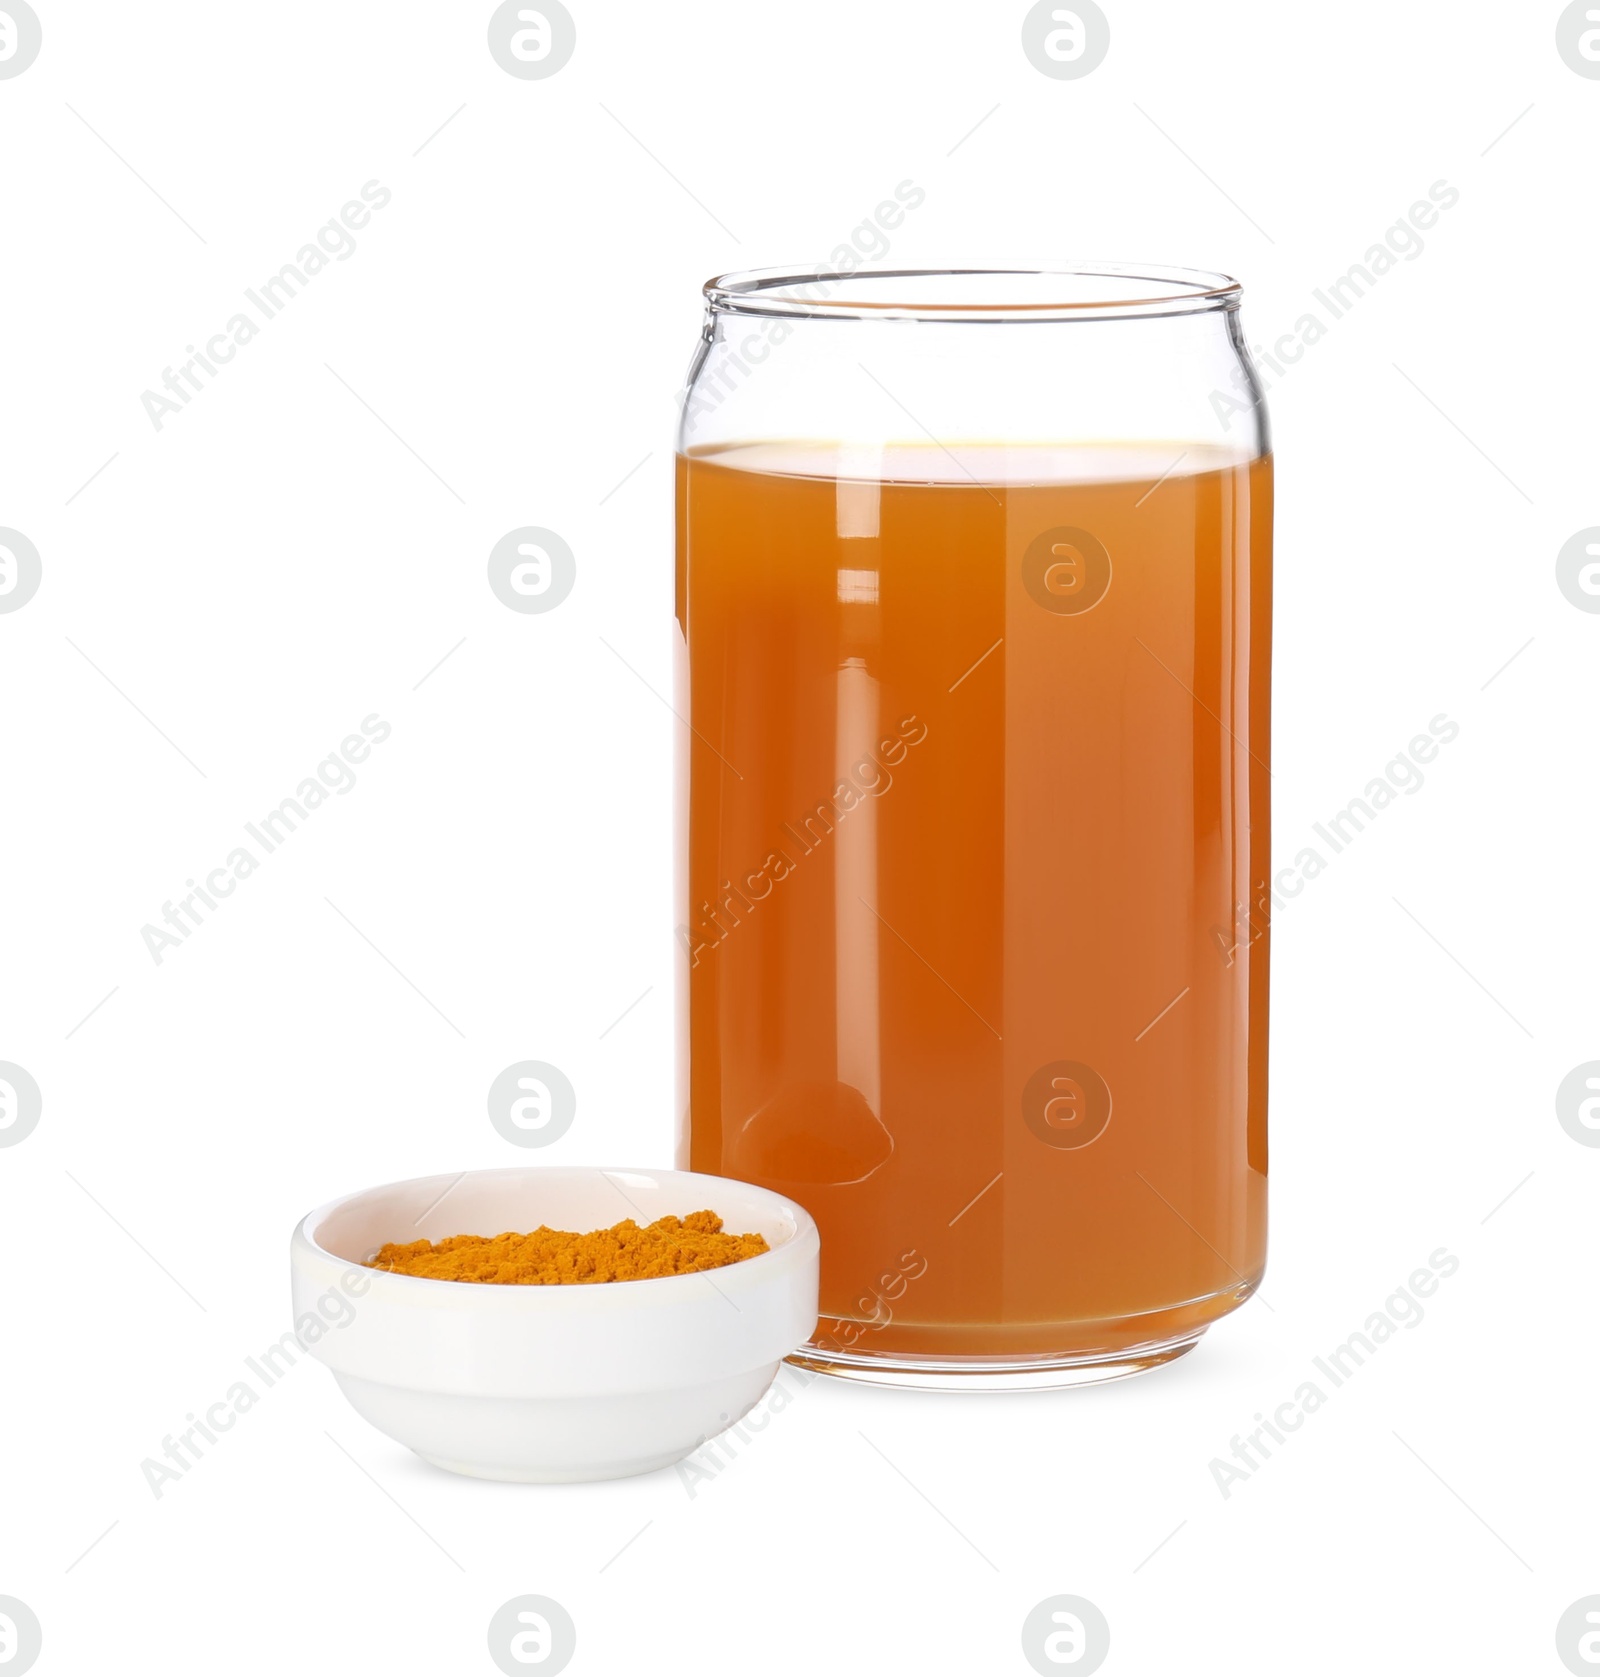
x=554 y=1257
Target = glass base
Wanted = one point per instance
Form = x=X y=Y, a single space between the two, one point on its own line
x=1042 y=1373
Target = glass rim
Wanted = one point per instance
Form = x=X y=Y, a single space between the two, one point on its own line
x=1087 y=291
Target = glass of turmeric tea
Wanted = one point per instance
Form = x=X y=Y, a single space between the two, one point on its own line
x=974 y=605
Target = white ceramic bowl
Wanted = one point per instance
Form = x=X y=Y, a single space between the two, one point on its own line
x=552 y=1384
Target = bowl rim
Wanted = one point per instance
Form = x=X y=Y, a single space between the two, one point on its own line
x=805 y=1233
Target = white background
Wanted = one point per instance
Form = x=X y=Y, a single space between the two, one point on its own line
x=233 y=593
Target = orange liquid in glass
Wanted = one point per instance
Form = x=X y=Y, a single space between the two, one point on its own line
x=976 y=874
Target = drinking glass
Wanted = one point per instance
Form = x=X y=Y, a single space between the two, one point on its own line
x=973 y=591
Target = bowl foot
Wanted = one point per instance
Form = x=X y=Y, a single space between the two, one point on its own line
x=512 y=1474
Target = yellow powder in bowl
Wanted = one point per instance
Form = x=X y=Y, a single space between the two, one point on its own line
x=556 y=1258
